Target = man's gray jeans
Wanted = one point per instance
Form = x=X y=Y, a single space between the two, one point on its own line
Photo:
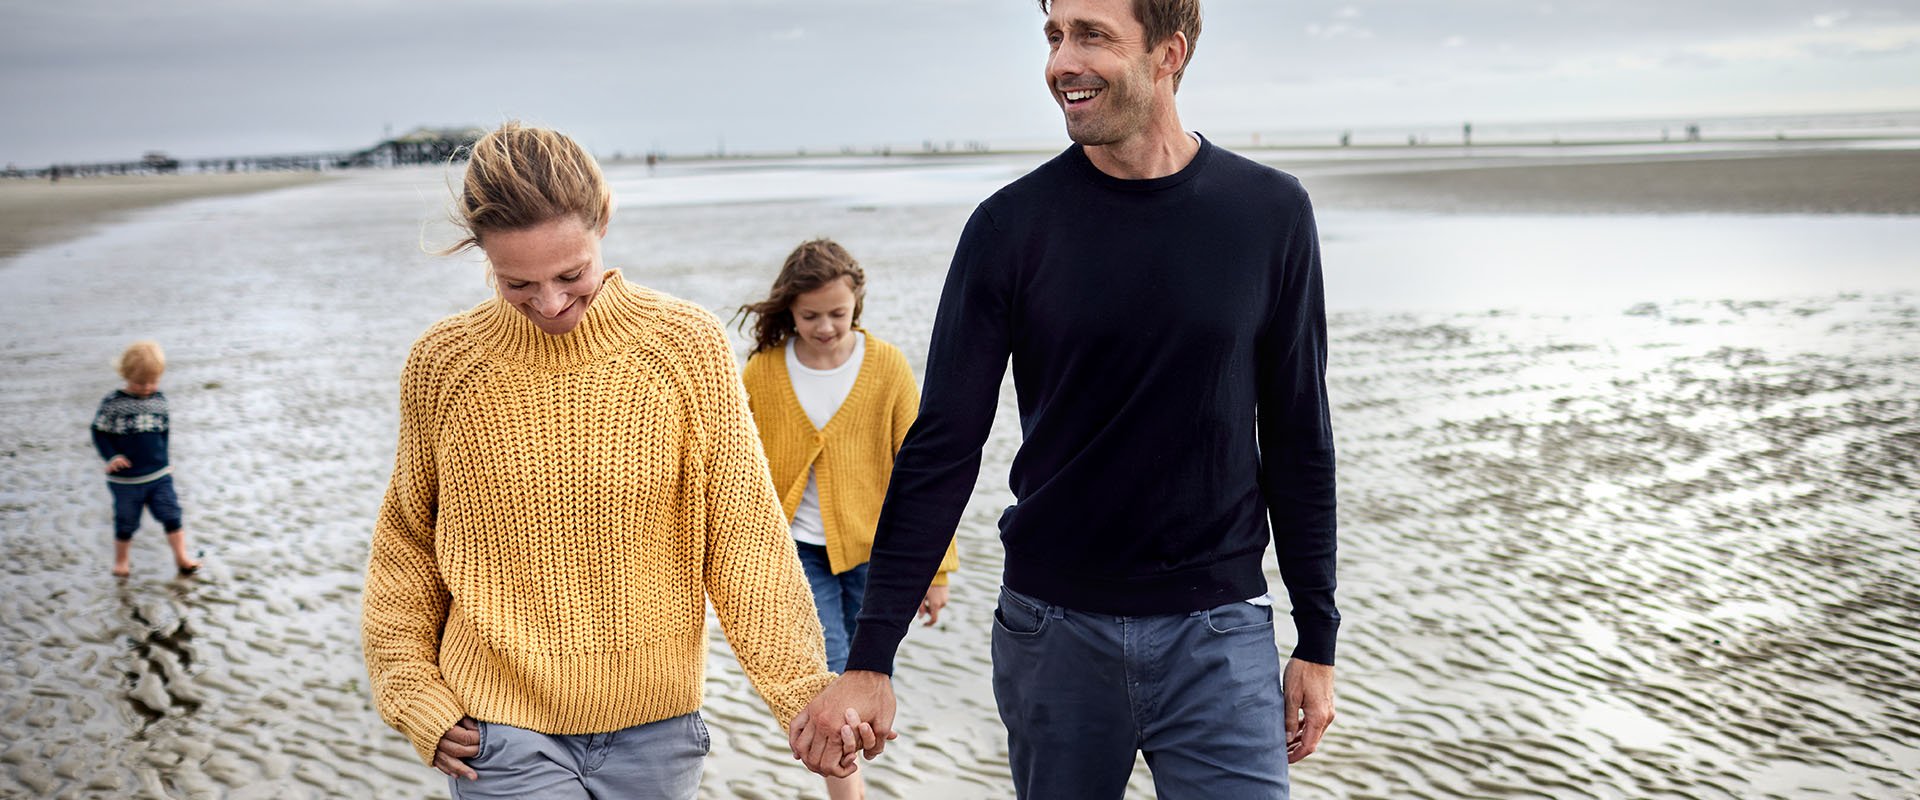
x=1200 y=694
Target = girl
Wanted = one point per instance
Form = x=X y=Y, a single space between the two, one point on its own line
x=833 y=404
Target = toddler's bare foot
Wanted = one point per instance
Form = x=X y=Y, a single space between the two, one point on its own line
x=122 y=570
x=189 y=567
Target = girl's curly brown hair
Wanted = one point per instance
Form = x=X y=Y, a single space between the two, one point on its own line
x=810 y=266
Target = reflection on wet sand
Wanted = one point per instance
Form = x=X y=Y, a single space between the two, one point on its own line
x=158 y=644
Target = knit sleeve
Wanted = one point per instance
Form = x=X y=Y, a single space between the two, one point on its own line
x=104 y=444
x=405 y=601
x=906 y=408
x=1296 y=440
x=906 y=402
x=934 y=472
x=751 y=376
x=752 y=574
x=103 y=438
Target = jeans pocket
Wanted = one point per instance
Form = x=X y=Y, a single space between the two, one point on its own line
x=702 y=734
x=1236 y=617
x=482 y=753
x=1019 y=615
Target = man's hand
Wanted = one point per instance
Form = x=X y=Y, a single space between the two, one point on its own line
x=461 y=742
x=1309 y=690
x=825 y=736
x=936 y=599
x=118 y=463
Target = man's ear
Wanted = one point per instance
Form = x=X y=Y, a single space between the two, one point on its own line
x=1174 y=56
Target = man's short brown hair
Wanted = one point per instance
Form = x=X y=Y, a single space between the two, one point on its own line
x=1164 y=18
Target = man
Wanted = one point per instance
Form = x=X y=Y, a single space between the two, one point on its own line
x=1160 y=299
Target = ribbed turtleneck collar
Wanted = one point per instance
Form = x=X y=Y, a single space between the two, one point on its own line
x=618 y=315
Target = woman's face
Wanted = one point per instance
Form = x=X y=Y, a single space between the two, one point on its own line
x=550 y=272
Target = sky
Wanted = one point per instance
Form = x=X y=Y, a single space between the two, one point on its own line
x=106 y=80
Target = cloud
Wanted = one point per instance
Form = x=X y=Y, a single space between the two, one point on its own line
x=1691 y=60
x=1337 y=30
x=1635 y=62
x=108 y=78
x=1820 y=43
x=1830 y=20
x=1801 y=46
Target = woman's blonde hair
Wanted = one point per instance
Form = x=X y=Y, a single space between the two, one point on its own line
x=519 y=177
x=143 y=360
x=810 y=266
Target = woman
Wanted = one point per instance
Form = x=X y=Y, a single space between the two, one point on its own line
x=577 y=475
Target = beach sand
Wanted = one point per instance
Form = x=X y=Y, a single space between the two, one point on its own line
x=1666 y=549
x=1790 y=182
x=39 y=212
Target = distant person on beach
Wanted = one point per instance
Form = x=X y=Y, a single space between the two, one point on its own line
x=130 y=431
x=577 y=477
x=1160 y=299
x=833 y=403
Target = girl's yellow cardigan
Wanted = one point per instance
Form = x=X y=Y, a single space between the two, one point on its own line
x=561 y=510
x=852 y=457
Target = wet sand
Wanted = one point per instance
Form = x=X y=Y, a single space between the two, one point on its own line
x=39 y=212
x=1787 y=182
x=1666 y=549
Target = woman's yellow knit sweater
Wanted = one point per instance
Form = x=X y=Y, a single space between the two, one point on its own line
x=852 y=457
x=561 y=510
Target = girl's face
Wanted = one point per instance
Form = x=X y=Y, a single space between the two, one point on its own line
x=549 y=272
x=823 y=317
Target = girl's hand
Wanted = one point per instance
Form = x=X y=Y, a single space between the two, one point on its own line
x=118 y=463
x=936 y=599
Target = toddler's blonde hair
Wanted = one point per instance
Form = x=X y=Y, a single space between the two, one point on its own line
x=143 y=361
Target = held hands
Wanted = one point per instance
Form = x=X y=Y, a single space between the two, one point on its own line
x=827 y=741
x=461 y=742
x=1309 y=690
x=118 y=463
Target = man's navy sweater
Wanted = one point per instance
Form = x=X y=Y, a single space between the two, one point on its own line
x=1168 y=340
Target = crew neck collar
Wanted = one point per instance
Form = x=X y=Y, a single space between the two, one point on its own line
x=1078 y=154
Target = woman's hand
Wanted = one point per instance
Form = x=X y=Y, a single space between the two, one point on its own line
x=461 y=742
x=935 y=600
x=118 y=463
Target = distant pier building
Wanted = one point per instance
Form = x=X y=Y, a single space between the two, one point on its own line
x=419 y=146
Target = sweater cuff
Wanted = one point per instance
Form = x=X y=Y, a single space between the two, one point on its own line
x=873 y=648
x=1315 y=638
x=793 y=699
x=427 y=717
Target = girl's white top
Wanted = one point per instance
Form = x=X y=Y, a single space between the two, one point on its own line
x=821 y=391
